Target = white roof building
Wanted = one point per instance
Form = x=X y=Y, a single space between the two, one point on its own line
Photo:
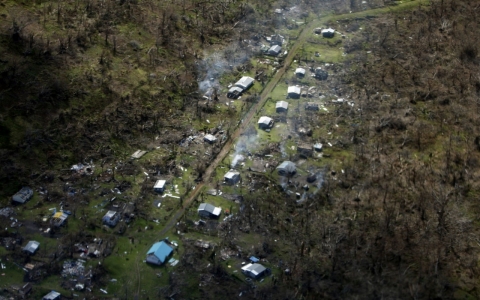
x=294 y=91
x=254 y=270
x=300 y=72
x=209 y=138
x=245 y=82
x=232 y=177
x=159 y=185
x=281 y=106
x=329 y=32
x=208 y=210
x=265 y=122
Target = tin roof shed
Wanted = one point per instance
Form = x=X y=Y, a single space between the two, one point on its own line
x=31 y=247
x=281 y=106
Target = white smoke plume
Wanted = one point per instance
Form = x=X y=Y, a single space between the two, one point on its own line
x=246 y=145
x=217 y=63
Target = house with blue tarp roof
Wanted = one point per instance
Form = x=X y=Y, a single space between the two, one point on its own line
x=159 y=253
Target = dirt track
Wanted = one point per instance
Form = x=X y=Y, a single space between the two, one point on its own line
x=240 y=129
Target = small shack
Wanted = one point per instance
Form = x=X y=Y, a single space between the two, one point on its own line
x=52 y=296
x=210 y=138
x=159 y=253
x=232 y=177
x=208 y=210
x=234 y=92
x=274 y=50
x=321 y=74
x=281 y=106
x=305 y=150
x=328 y=33
x=287 y=168
x=294 y=92
x=59 y=219
x=277 y=39
x=300 y=72
x=23 y=195
x=31 y=247
x=159 y=186
x=312 y=106
x=111 y=218
x=265 y=123
x=318 y=147
x=255 y=270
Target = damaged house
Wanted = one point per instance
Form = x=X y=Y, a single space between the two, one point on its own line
x=276 y=39
x=287 y=168
x=321 y=74
x=232 y=177
x=312 y=106
x=111 y=218
x=265 y=123
x=23 y=195
x=59 y=219
x=305 y=150
x=209 y=138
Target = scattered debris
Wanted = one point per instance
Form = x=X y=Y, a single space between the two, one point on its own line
x=137 y=154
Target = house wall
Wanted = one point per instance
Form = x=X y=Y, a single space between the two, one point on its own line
x=233 y=180
x=294 y=95
x=205 y=214
x=153 y=259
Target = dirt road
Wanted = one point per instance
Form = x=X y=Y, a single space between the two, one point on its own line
x=240 y=129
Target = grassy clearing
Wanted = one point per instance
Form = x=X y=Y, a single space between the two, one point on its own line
x=11 y=275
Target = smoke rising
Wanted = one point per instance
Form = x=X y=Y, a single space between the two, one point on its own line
x=245 y=145
x=217 y=63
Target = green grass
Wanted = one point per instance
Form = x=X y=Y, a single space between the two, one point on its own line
x=11 y=275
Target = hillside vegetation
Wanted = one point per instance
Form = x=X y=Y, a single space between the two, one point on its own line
x=393 y=213
x=399 y=218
